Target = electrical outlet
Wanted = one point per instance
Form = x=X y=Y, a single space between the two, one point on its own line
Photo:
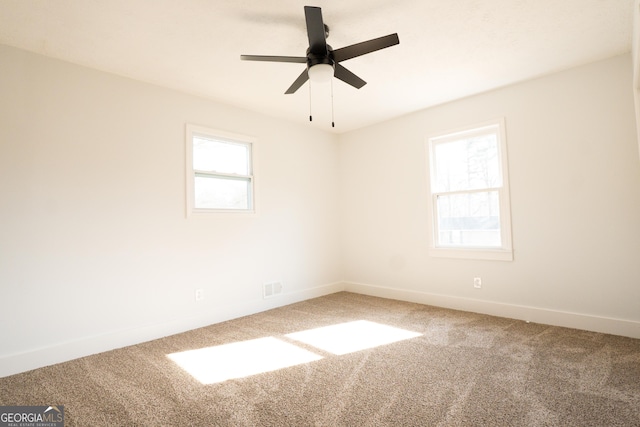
x=199 y=295
x=477 y=282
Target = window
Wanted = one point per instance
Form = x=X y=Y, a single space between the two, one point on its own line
x=470 y=193
x=219 y=171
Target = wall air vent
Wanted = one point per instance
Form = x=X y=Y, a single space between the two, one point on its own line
x=271 y=288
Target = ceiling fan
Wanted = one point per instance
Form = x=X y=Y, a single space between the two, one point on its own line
x=322 y=61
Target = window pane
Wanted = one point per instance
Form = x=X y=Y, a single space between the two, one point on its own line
x=222 y=193
x=219 y=156
x=469 y=220
x=467 y=164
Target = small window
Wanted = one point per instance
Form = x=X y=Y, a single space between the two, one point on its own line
x=219 y=171
x=469 y=203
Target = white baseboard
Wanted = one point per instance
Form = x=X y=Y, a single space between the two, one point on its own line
x=627 y=328
x=61 y=352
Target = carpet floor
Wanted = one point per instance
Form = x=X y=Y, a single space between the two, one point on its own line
x=350 y=360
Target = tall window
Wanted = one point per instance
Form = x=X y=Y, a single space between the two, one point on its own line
x=470 y=193
x=219 y=171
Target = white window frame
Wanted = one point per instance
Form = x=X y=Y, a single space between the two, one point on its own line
x=195 y=130
x=505 y=251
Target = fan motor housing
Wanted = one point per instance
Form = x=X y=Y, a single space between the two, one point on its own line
x=315 y=59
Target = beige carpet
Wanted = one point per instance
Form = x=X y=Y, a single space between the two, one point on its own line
x=445 y=368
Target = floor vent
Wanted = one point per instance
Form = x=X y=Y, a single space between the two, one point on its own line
x=270 y=289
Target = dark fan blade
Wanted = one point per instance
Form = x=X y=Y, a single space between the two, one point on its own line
x=362 y=48
x=348 y=77
x=315 y=30
x=298 y=59
x=302 y=78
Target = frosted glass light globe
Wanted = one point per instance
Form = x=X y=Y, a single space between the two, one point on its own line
x=320 y=73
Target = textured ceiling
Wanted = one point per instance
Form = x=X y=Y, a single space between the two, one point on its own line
x=448 y=49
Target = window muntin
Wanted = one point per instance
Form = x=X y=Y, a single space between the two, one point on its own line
x=469 y=193
x=220 y=171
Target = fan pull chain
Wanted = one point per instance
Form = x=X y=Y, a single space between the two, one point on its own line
x=333 y=124
x=310 y=116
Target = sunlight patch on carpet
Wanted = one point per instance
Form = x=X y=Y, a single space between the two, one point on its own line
x=216 y=364
x=353 y=336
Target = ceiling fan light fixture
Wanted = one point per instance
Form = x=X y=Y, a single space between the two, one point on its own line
x=322 y=61
x=321 y=73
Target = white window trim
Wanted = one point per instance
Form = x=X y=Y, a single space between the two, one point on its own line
x=192 y=211
x=505 y=253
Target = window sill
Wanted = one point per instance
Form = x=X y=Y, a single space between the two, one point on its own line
x=467 y=253
x=204 y=213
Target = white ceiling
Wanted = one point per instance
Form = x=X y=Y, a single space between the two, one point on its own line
x=448 y=49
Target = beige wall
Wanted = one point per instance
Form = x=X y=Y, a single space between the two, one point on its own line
x=95 y=247
x=635 y=53
x=96 y=251
x=575 y=193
